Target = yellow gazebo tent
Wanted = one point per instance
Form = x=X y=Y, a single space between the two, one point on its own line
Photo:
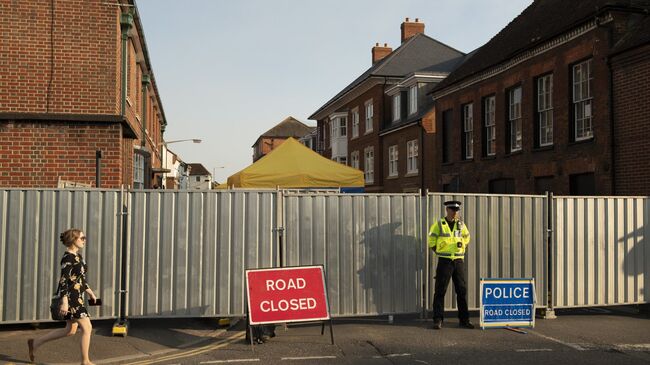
x=292 y=165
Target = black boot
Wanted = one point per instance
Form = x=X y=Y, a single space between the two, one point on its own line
x=466 y=324
x=437 y=324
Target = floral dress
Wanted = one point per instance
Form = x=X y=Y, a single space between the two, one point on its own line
x=73 y=284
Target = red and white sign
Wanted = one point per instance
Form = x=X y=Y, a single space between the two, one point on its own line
x=289 y=294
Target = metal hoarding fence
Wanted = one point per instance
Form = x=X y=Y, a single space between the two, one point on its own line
x=30 y=251
x=508 y=240
x=370 y=245
x=602 y=253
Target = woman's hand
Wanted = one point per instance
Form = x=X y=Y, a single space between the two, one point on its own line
x=64 y=307
x=91 y=294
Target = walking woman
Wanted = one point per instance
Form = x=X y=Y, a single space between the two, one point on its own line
x=72 y=286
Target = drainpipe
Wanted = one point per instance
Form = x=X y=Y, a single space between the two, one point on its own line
x=126 y=22
x=612 y=139
x=421 y=155
x=610 y=77
x=98 y=168
x=145 y=85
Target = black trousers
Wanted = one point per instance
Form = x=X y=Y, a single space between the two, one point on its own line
x=455 y=270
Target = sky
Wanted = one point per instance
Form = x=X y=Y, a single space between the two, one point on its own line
x=228 y=71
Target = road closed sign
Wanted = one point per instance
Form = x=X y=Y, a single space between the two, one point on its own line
x=507 y=303
x=290 y=294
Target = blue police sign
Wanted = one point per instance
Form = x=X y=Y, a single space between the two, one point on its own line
x=507 y=303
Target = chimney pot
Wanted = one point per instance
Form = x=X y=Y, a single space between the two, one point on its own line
x=379 y=52
x=410 y=29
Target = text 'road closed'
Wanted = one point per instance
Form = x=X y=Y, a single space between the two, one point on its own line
x=286 y=295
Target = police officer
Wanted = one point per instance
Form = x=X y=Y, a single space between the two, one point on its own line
x=448 y=238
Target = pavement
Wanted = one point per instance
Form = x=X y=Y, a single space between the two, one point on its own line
x=619 y=335
x=146 y=338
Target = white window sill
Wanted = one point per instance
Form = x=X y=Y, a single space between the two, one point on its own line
x=412 y=173
x=392 y=177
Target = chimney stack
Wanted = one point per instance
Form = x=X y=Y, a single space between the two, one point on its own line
x=379 y=52
x=409 y=28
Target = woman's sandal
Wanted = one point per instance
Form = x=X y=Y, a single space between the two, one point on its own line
x=30 y=345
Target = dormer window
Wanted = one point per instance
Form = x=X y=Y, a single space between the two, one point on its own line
x=397 y=107
x=413 y=99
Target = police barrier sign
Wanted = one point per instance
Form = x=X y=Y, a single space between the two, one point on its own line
x=290 y=294
x=507 y=303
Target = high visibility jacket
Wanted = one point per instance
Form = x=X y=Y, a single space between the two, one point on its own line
x=449 y=242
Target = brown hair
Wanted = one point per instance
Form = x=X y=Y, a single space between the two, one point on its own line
x=69 y=237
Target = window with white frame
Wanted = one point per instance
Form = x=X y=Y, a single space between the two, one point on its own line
x=354 y=159
x=468 y=131
x=369 y=164
x=339 y=127
x=514 y=118
x=355 y=122
x=369 y=115
x=413 y=99
x=397 y=107
x=392 y=160
x=545 y=109
x=138 y=171
x=342 y=160
x=412 y=156
x=582 y=100
x=490 y=128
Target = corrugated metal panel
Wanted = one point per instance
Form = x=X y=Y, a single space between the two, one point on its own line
x=30 y=250
x=507 y=241
x=602 y=254
x=189 y=249
x=370 y=246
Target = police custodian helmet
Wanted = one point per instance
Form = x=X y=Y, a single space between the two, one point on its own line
x=453 y=204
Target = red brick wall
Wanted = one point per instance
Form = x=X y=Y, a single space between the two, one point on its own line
x=64 y=57
x=77 y=75
x=403 y=182
x=371 y=139
x=565 y=157
x=631 y=84
x=268 y=144
x=37 y=154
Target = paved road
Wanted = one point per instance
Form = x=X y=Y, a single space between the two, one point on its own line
x=587 y=336
x=579 y=337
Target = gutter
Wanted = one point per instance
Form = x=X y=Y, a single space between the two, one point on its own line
x=440 y=92
x=610 y=81
x=145 y=52
x=126 y=21
x=127 y=130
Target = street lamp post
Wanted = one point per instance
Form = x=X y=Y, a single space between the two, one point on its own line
x=165 y=144
x=194 y=140
x=214 y=172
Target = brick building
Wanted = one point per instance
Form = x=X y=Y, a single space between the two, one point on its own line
x=630 y=64
x=554 y=102
x=289 y=127
x=62 y=97
x=353 y=124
